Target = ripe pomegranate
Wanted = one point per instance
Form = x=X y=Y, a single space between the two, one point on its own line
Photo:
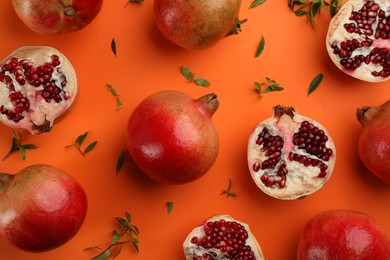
x=358 y=39
x=171 y=136
x=343 y=234
x=197 y=24
x=37 y=85
x=222 y=237
x=41 y=207
x=374 y=139
x=290 y=155
x=57 y=16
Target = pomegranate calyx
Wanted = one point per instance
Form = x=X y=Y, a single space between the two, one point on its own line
x=280 y=110
x=366 y=114
x=208 y=104
x=237 y=27
x=69 y=11
x=5 y=179
x=43 y=128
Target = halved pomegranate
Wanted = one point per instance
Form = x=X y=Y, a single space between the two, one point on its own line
x=222 y=237
x=358 y=39
x=290 y=155
x=37 y=85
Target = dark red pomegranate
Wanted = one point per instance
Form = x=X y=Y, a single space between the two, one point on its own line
x=37 y=85
x=171 y=136
x=290 y=155
x=222 y=237
x=57 y=16
x=374 y=139
x=41 y=208
x=197 y=24
x=358 y=39
x=343 y=234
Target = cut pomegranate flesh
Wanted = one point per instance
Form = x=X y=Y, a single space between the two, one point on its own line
x=222 y=237
x=289 y=155
x=37 y=85
x=358 y=39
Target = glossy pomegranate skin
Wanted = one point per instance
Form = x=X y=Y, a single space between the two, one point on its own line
x=374 y=140
x=171 y=137
x=343 y=234
x=57 y=16
x=196 y=24
x=41 y=208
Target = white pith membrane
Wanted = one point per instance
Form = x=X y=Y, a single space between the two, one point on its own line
x=35 y=104
x=359 y=35
x=287 y=171
x=193 y=251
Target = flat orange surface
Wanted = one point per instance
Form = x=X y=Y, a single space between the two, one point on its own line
x=294 y=54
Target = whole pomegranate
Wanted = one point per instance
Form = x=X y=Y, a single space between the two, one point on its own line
x=374 y=139
x=171 y=136
x=343 y=234
x=358 y=39
x=290 y=155
x=57 y=16
x=197 y=24
x=37 y=85
x=41 y=207
x=222 y=237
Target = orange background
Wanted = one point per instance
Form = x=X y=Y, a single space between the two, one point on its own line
x=294 y=54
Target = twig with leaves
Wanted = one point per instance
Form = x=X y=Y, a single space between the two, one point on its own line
x=228 y=192
x=190 y=76
x=78 y=143
x=113 y=91
x=267 y=86
x=16 y=145
x=128 y=234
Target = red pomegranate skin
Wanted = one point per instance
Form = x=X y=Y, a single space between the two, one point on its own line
x=171 y=137
x=374 y=140
x=41 y=208
x=343 y=234
x=196 y=24
x=57 y=16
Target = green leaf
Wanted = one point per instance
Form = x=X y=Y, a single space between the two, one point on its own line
x=22 y=152
x=257 y=86
x=113 y=46
x=335 y=6
x=29 y=146
x=256 y=3
x=104 y=255
x=116 y=237
x=273 y=87
x=111 y=89
x=315 y=83
x=187 y=73
x=90 y=147
x=260 y=48
x=300 y=13
x=202 y=82
x=80 y=139
x=118 y=104
x=119 y=165
x=169 y=206
x=128 y=216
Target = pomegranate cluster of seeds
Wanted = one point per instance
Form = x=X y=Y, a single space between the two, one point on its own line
x=371 y=24
x=228 y=237
x=48 y=78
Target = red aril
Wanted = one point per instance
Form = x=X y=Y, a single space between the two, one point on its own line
x=41 y=208
x=197 y=24
x=358 y=39
x=290 y=155
x=222 y=237
x=171 y=136
x=37 y=85
x=57 y=16
x=374 y=139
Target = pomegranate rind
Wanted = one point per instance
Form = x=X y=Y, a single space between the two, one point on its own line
x=41 y=116
x=300 y=181
x=190 y=249
x=337 y=33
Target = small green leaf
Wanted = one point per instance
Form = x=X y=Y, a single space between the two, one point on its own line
x=113 y=46
x=202 y=82
x=128 y=216
x=80 y=139
x=111 y=89
x=187 y=73
x=22 y=152
x=273 y=87
x=118 y=103
x=228 y=192
x=119 y=165
x=260 y=48
x=300 y=13
x=116 y=237
x=169 y=207
x=257 y=86
x=315 y=83
x=134 y=1
x=90 y=147
x=29 y=146
x=256 y=3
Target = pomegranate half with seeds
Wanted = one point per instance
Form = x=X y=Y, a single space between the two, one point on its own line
x=290 y=155
x=37 y=85
x=358 y=39
x=222 y=237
